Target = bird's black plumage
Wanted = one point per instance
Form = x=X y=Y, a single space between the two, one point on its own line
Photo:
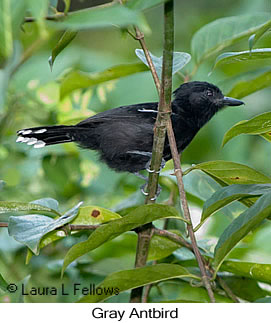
x=124 y=136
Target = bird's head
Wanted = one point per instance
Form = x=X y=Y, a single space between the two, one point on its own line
x=201 y=99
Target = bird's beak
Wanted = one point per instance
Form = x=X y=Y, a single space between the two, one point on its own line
x=231 y=101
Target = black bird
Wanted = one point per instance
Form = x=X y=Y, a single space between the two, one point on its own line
x=124 y=136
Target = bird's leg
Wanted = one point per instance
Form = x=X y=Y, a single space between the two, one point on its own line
x=143 y=187
x=148 y=165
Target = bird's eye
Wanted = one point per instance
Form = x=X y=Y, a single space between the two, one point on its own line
x=209 y=93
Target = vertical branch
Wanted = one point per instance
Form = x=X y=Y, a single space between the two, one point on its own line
x=164 y=111
x=179 y=176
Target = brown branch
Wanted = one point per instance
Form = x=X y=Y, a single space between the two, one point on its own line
x=140 y=37
x=3 y=225
x=164 y=111
x=78 y=227
x=179 y=176
x=173 y=237
x=182 y=242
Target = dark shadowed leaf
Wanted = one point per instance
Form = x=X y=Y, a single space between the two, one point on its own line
x=29 y=229
x=245 y=288
x=241 y=226
x=128 y=279
x=79 y=80
x=258 y=125
x=180 y=59
x=223 y=32
x=100 y=17
x=141 y=215
x=227 y=195
x=3 y=284
x=63 y=42
x=247 y=83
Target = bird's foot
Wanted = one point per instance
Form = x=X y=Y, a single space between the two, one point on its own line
x=144 y=186
x=148 y=166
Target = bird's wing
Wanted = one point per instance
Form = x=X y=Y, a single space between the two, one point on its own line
x=145 y=111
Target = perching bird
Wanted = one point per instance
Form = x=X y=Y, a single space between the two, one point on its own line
x=124 y=136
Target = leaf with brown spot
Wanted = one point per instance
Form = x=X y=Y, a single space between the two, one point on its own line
x=95 y=213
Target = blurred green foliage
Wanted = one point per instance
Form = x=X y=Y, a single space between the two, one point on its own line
x=30 y=95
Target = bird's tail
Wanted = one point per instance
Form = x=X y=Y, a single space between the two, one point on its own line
x=45 y=136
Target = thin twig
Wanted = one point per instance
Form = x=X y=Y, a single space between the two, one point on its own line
x=3 y=225
x=140 y=37
x=182 y=242
x=227 y=289
x=179 y=176
x=78 y=227
x=173 y=237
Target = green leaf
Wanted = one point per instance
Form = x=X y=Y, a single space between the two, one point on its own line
x=141 y=215
x=128 y=279
x=161 y=247
x=263 y=54
x=48 y=202
x=38 y=9
x=88 y=215
x=100 y=17
x=6 y=39
x=94 y=215
x=63 y=42
x=3 y=284
x=17 y=15
x=29 y=229
x=227 y=195
x=241 y=226
x=67 y=5
x=260 y=272
x=223 y=32
x=180 y=59
x=143 y=4
x=258 y=125
x=227 y=173
x=183 y=292
x=79 y=80
x=255 y=37
x=6 y=208
x=264 y=300
x=245 y=288
x=2 y=184
x=247 y=83
x=5 y=73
